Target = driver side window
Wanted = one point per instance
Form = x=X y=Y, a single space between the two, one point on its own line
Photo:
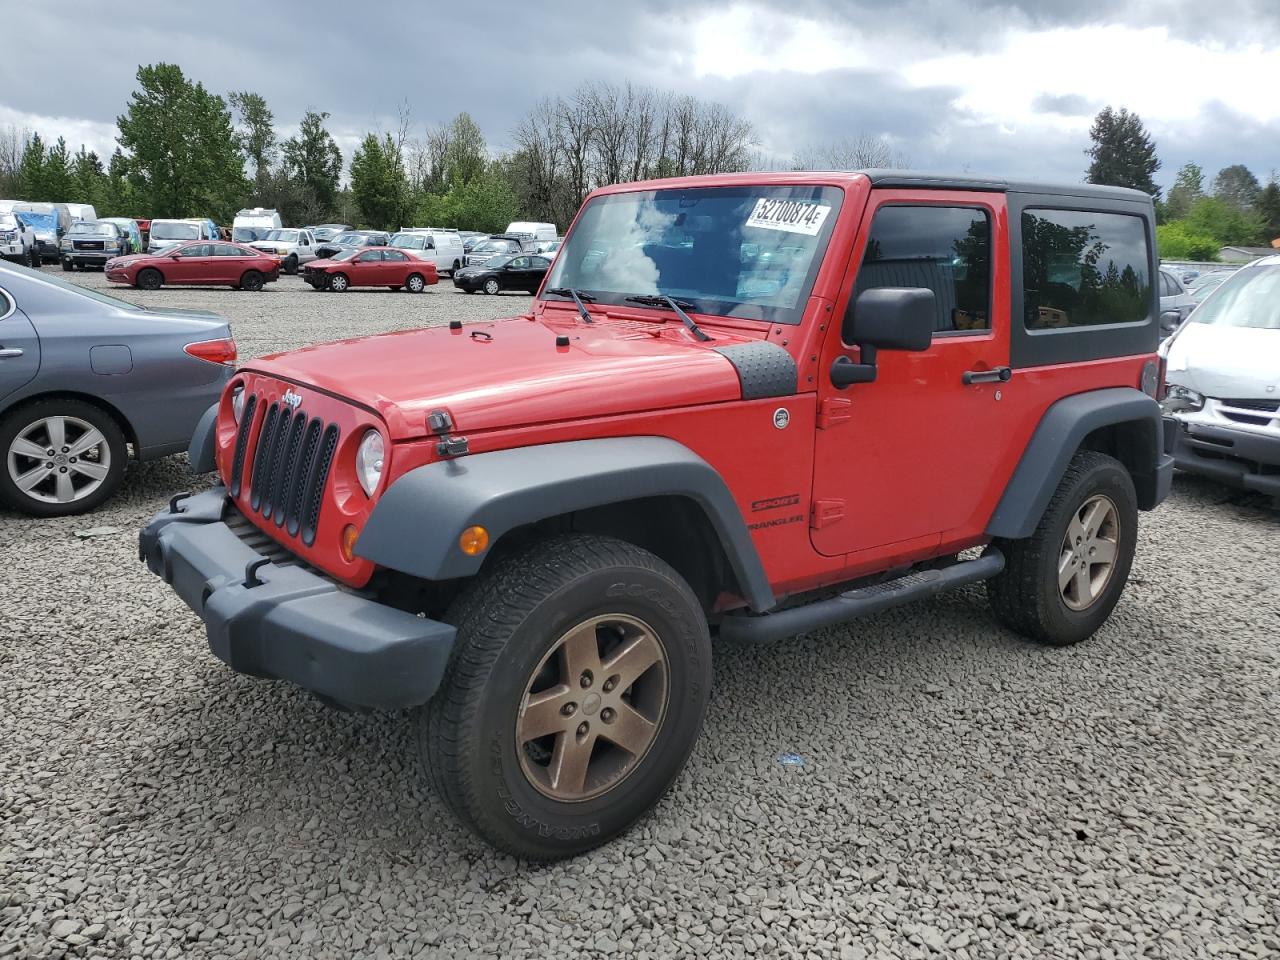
x=944 y=249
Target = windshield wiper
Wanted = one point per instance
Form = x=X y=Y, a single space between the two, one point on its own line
x=676 y=307
x=578 y=298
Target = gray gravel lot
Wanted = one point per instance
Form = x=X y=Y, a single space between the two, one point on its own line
x=962 y=794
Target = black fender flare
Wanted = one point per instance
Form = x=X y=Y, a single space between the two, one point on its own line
x=1059 y=435
x=415 y=524
x=202 y=451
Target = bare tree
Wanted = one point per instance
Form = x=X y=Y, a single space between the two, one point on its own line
x=861 y=151
x=13 y=141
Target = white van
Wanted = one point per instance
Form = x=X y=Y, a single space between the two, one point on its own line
x=82 y=211
x=169 y=233
x=253 y=224
x=533 y=231
x=441 y=247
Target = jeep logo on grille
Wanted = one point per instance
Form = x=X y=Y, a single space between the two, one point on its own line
x=291 y=399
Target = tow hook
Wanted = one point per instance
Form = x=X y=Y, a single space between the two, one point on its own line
x=251 y=571
x=176 y=499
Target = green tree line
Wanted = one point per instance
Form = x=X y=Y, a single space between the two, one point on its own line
x=1195 y=219
x=185 y=151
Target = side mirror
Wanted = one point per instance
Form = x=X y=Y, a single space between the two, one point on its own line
x=1170 y=320
x=886 y=318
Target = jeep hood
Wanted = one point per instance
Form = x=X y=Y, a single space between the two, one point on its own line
x=1225 y=362
x=511 y=373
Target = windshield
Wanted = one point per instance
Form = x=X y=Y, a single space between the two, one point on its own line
x=1250 y=298
x=83 y=229
x=174 y=231
x=284 y=236
x=408 y=241
x=749 y=252
x=8 y=221
x=496 y=246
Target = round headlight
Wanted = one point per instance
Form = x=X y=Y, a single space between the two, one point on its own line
x=369 y=461
x=237 y=402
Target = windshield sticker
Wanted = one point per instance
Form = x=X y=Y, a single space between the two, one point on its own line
x=791 y=216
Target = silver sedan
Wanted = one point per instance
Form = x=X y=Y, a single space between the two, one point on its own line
x=85 y=379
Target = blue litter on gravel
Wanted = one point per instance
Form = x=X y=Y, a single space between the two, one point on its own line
x=791 y=759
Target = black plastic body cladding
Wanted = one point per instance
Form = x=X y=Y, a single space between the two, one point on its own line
x=415 y=526
x=201 y=451
x=764 y=369
x=1056 y=440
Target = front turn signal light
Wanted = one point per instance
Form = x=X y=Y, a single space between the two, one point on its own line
x=473 y=541
x=349 y=536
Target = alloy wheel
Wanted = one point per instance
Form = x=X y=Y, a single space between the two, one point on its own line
x=1088 y=555
x=59 y=459
x=593 y=708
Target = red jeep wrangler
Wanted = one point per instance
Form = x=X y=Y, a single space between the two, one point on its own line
x=732 y=395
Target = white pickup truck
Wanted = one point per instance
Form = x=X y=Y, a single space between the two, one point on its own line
x=18 y=241
x=294 y=246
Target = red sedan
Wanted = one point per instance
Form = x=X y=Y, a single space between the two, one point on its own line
x=371 y=267
x=209 y=263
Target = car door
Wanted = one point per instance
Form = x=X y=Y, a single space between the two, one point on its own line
x=515 y=275
x=189 y=264
x=906 y=458
x=538 y=267
x=366 y=269
x=306 y=249
x=395 y=267
x=233 y=261
x=19 y=347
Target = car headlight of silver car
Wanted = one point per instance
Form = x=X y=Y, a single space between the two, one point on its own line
x=369 y=459
x=1180 y=399
x=237 y=401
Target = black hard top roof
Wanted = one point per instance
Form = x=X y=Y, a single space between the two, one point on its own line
x=944 y=181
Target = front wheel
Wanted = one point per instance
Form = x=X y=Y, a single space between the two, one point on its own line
x=290 y=265
x=1060 y=584
x=67 y=266
x=33 y=257
x=491 y=287
x=573 y=697
x=339 y=283
x=149 y=279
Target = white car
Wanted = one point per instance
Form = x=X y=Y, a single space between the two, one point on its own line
x=293 y=247
x=1222 y=401
x=529 y=230
x=18 y=241
x=441 y=247
x=254 y=223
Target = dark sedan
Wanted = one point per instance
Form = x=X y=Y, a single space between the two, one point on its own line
x=86 y=380
x=523 y=273
x=352 y=240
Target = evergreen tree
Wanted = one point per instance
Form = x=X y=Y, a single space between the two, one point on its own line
x=31 y=184
x=1123 y=153
x=378 y=182
x=1268 y=207
x=313 y=158
x=117 y=193
x=185 y=159
x=87 y=178
x=1188 y=187
x=256 y=132
x=1237 y=186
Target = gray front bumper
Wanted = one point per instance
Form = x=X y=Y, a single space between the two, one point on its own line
x=285 y=622
x=1236 y=457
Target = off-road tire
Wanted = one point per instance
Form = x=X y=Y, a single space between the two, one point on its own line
x=19 y=418
x=1025 y=596
x=149 y=279
x=507 y=622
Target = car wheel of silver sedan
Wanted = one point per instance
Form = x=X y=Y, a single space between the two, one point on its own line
x=60 y=457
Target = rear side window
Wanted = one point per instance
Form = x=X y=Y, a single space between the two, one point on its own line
x=1084 y=268
x=946 y=249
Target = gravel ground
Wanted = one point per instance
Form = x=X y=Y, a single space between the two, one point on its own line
x=962 y=793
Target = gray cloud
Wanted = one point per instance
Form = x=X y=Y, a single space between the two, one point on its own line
x=361 y=62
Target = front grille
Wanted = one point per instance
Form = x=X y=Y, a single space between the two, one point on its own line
x=242 y=444
x=1265 y=406
x=88 y=244
x=290 y=468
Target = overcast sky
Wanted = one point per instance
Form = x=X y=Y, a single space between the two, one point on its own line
x=1002 y=87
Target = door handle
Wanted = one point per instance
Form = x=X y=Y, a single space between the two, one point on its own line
x=10 y=352
x=994 y=375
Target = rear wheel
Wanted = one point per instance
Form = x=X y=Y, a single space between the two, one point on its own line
x=60 y=457
x=456 y=267
x=491 y=286
x=574 y=695
x=339 y=283
x=415 y=283
x=149 y=279
x=1061 y=583
x=252 y=280
x=33 y=257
